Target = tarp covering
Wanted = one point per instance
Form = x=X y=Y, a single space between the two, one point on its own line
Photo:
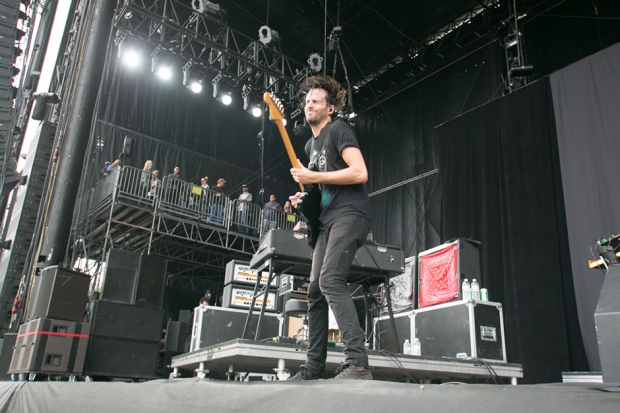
x=195 y=395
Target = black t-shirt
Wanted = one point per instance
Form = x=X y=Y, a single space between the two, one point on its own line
x=218 y=199
x=338 y=200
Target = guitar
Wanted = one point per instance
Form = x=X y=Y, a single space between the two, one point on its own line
x=309 y=205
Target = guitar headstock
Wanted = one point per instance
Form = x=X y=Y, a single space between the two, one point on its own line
x=276 y=108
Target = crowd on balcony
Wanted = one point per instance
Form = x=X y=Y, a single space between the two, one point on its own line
x=211 y=205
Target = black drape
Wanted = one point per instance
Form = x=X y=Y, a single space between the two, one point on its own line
x=586 y=97
x=499 y=173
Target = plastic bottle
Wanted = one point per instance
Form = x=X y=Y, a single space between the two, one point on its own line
x=475 y=290
x=466 y=290
x=416 y=349
x=407 y=347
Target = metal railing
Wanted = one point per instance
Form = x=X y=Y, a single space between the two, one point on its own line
x=182 y=200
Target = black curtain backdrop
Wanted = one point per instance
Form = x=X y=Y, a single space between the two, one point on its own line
x=586 y=98
x=500 y=184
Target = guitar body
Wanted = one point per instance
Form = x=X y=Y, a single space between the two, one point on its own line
x=309 y=205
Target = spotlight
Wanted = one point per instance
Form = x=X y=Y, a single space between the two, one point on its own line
x=162 y=63
x=193 y=75
x=267 y=36
x=221 y=90
x=521 y=71
x=130 y=51
x=251 y=102
x=316 y=62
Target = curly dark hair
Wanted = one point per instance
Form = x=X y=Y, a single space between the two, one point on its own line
x=336 y=94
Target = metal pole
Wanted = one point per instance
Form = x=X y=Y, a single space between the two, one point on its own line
x=74 y=134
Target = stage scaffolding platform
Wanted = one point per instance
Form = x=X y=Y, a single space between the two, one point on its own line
x=197 y=230
x=263 y=357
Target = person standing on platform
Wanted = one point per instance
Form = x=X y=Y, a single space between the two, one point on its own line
x=289 y=215
x=145 y=178
x=219 y=201
x=104 y=171
x=244 y=201
x=270 y=215
x=344 y=222
x=172 y=187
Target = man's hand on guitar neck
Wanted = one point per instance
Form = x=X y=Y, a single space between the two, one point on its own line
x=304 y=175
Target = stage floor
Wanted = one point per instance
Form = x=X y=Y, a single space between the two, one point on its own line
x=263 y=357
x=338 y=396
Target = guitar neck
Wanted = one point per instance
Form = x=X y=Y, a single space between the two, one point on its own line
x=289 y=149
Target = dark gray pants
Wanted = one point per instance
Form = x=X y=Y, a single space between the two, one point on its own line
x=331 y=261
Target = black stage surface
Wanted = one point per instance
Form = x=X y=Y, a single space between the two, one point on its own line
x=197 y=395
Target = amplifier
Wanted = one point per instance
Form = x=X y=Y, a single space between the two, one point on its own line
x=290 y=283
x=50 y=346
x=239 y=272
x=215 y=325
x=240 y=296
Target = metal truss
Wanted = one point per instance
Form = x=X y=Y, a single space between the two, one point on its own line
x=204 y=37
x=411 y=63
x=110 y=216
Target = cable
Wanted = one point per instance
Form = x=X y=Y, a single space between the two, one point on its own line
x=398 y=363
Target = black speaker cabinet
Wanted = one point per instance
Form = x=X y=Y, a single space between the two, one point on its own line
x=176 y=335
x=134 y=278
x=128 y=322
x=112 y=357
x=59 y=294
x=50 y=346
x=6 y=353
x=607 y=321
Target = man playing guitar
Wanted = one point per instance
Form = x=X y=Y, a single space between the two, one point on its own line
x=338 y=167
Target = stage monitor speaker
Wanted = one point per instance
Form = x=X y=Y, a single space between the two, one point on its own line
x=126 y=321
x=607 y=321
x=111 y=357
x=134 y=278
x=60 y=294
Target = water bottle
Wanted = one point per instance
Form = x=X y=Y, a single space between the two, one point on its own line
x=416 y=350
x=475 y=290
x=466 y=290
x=407 y=347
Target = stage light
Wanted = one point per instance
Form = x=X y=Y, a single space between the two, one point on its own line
x=193 y=76
x=268 y=36
x=252 y=103
x=521 y=71
x=130 y=51
x=316 y=62
x=162 y=63
x=222 y=91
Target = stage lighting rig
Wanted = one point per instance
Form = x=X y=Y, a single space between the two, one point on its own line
x=162 y=63
x=316 y=62
x=193 y=76
x=252 y=103
x=333 y=38
x=222 y=90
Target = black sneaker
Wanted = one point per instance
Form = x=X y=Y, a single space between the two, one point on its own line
x=304 y=374
x=348 y=371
